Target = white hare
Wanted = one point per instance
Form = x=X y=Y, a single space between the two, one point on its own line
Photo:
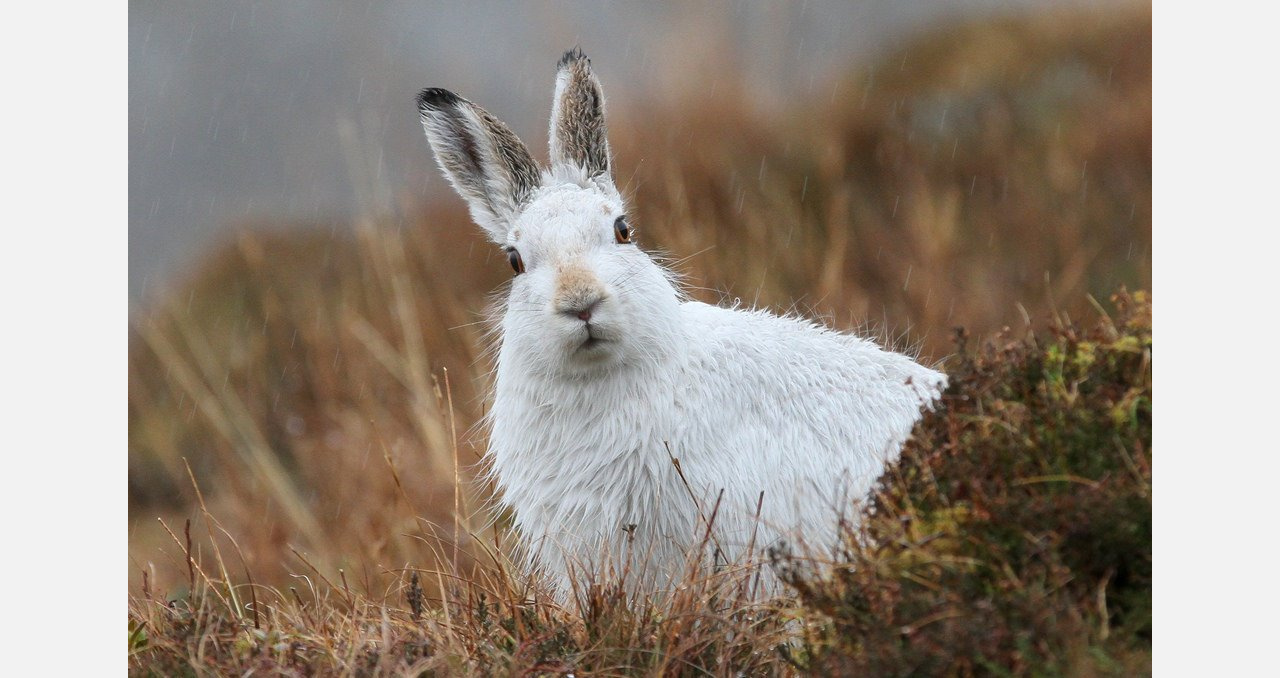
x=607 y=375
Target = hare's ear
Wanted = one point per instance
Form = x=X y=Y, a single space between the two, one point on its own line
x=578 y=136
x=486 y=163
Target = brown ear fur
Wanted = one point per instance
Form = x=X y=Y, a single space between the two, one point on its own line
x=578 y=133
x=484 y=160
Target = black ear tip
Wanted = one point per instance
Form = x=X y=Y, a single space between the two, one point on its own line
x=435 y=98
x=571 y=56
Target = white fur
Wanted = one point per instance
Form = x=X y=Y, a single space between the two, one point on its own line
x=582 y=440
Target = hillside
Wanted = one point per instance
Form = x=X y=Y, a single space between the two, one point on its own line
x=307 y=397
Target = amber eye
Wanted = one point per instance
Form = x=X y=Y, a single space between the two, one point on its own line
x=517 y=264
x=622 y=231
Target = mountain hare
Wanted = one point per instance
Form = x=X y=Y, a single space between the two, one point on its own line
x=631 y=426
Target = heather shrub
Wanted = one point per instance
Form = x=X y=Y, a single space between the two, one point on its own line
x=1014 y=535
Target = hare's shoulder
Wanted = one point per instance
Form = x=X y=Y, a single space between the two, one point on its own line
x=762 y=335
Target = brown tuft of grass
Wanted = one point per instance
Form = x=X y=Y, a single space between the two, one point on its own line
x=484 y=622
x=320 y=398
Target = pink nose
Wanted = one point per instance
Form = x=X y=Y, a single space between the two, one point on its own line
x=584 y=314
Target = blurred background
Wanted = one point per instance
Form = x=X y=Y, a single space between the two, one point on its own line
x=242 y=110
x=305 y=339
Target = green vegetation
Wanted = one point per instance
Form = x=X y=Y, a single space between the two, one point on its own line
x=1014 y=536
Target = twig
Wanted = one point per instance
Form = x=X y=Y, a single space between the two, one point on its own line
x=192 y=565
x=697 y=505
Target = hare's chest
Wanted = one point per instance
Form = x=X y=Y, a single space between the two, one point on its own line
x=579 y=449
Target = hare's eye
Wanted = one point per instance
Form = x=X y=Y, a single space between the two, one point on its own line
x=517 y=264
x=622 y=231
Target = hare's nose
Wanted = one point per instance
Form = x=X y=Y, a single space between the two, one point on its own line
x=578 y=291
x=583 y=309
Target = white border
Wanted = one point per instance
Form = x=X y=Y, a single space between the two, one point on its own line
x=65 y=287
x=1215 y=223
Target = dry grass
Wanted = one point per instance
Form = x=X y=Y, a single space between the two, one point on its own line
x=323 y=387
x=486 y=623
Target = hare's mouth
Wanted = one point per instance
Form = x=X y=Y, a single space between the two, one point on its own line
x=594 y=339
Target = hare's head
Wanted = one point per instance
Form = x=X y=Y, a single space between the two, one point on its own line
x=584 y=297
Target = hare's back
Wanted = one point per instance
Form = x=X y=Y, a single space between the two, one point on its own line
x=788 y=360
x=778 y=385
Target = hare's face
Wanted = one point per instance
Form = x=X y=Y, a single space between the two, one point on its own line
x=586 y=297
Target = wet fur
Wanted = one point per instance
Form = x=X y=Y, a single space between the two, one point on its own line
x=780 y=426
